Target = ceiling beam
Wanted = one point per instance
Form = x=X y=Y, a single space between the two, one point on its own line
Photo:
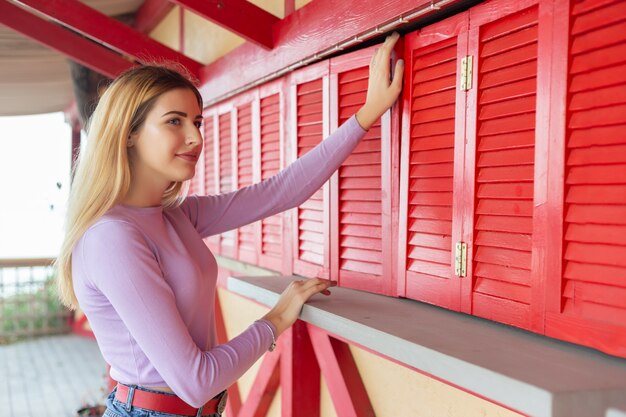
x=109 y=32
x=70 y=44
x=313 y=30
x=150 y=14
x=239 y=16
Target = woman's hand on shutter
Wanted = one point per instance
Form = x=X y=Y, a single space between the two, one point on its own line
x=381 y=92
x=289 y=305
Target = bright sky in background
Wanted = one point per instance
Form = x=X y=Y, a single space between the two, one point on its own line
x=35 y=155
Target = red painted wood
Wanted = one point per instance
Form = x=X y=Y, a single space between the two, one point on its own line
x=586 y=298
x=239 y=16
x=234 y=398
x=211 y=164
x=515 y=197
x=225 y=138
x=307 y=31
x=300 y=374
x=360 y=190
x=502 y=102
x=341 y=375
x=109 y=32
x=150 y=14
x=542 y=225
x=73 y=46
x=308 y=99
x=432 y=159
x=271 y=246
x=265 y=386
x=247 y=243
x=79 y=327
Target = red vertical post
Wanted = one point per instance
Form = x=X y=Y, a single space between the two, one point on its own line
x=300 y=374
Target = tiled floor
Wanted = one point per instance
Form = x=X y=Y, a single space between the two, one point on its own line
x=51 y=377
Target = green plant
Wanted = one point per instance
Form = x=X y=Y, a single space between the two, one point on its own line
x=25 y=315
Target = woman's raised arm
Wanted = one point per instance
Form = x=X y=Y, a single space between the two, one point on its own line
x=295 y=184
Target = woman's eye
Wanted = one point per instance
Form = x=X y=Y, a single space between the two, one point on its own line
x=174 y=122
x=198 y=124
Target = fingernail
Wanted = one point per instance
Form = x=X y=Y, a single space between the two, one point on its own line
x=401 y=61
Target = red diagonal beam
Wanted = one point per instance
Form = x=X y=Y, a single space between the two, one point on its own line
x=150 y=14
x=265 y=386
x=234 y=399
x=109 y=32
x=240 y=16
x=53 y=36
x=341 y=374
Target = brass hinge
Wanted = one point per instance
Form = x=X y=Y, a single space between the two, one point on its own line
x=460 y=259
x=466 y=73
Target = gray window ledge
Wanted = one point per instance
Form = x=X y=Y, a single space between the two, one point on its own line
x=530 y=373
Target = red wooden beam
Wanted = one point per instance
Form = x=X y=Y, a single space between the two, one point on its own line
x=234 y=398
x=70 y=44
x=309 y=30
x=239 y=16
x=109 y=32
x=341 y=374
x=299 y=374
x=150 y=14
x=265 y=386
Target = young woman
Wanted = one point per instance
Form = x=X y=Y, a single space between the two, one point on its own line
x=133 y=258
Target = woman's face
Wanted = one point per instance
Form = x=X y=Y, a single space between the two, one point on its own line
x=167 y=146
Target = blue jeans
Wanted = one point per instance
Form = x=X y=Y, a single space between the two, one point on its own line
x=117 y=408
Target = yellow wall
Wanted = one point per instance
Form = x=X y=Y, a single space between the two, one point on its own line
x=205 y=41
x=167 y=31
x=394 y=390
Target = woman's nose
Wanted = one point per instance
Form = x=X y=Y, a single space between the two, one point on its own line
x=193 y=137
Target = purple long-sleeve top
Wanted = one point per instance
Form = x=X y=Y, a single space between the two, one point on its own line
x=146 y=281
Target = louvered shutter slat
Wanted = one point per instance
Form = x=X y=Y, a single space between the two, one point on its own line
x=430 y=171
x=359 y=188
x=209 y=155
x=504 y=175
x=594 y=270
x=209 y=170
x=271 y=227
x=247 y=251
x=227 y=239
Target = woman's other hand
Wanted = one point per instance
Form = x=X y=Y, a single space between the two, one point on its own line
x=287 y=309
x=381 y=92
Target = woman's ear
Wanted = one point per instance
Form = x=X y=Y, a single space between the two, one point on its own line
x=130 y=142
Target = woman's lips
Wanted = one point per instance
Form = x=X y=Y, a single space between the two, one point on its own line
x=190 y=158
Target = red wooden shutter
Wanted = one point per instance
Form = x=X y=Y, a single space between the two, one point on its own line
x=360 y=240
x=210 y=184
x=310 y=247
x=247 y=241
x=592 y=293
x=435 y=106
x=271 y=227
x=194 y=184
x=504 y=166
x=227 y=239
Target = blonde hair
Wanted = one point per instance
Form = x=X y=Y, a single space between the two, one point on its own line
x=103 y=173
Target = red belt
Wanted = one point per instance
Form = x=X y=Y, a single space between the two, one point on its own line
x=170 y=404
